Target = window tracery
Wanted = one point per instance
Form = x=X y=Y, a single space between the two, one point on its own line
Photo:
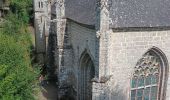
x=146 y=78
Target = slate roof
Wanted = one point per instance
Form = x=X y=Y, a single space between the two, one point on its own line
x=82 y=11
x=124 y=13
x=140 y=13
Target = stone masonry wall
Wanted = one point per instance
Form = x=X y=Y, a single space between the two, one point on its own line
x=81 y=39
x=125 y=49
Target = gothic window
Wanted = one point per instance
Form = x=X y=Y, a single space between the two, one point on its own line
x=85 y=77
x=41 y=19
x=39 y=4
x=147 y=80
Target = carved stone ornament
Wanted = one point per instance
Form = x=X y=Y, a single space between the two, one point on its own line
x=148 y=65
x=60 y=2
x=103 y=3
x=98 y=34
x=102 y=79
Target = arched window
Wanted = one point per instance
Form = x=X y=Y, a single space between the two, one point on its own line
x=149 y=78
x=41 y=19
x=39 y=4
x=86 y=74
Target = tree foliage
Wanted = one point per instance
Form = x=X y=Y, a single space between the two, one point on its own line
x=17 y=77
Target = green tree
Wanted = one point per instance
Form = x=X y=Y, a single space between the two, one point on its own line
x=17 y=77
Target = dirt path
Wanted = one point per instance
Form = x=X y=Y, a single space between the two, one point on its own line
x=48 y=92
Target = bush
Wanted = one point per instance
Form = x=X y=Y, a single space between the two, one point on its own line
x=17 y=77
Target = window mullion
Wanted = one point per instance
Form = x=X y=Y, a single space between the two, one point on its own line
x=136 y=89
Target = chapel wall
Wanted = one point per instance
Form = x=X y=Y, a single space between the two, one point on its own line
x=81 y=39
x=125 y=49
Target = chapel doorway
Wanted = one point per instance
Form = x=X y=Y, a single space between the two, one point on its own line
x=86 y=74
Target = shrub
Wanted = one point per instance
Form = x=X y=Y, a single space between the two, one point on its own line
x=16 y=74
x=17 y=77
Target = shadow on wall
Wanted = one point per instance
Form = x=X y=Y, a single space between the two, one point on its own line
x=115 y=94
x=69 y=94
x=49 y=90
x=68 y=89
x=51 y=52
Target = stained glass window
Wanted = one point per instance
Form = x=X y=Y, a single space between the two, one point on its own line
x=144 y=83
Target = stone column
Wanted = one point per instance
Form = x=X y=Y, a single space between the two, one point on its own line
x=60 y=29
x=102 y=37
x=63 y=49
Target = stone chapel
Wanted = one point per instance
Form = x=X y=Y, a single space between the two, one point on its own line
x=106 y=49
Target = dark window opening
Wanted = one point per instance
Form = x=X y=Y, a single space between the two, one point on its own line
x=41 y=4
x=41 y=19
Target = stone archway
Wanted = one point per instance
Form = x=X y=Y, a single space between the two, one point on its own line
x=87 y=72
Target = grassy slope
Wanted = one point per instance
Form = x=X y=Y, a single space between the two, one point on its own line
x=17 y=77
